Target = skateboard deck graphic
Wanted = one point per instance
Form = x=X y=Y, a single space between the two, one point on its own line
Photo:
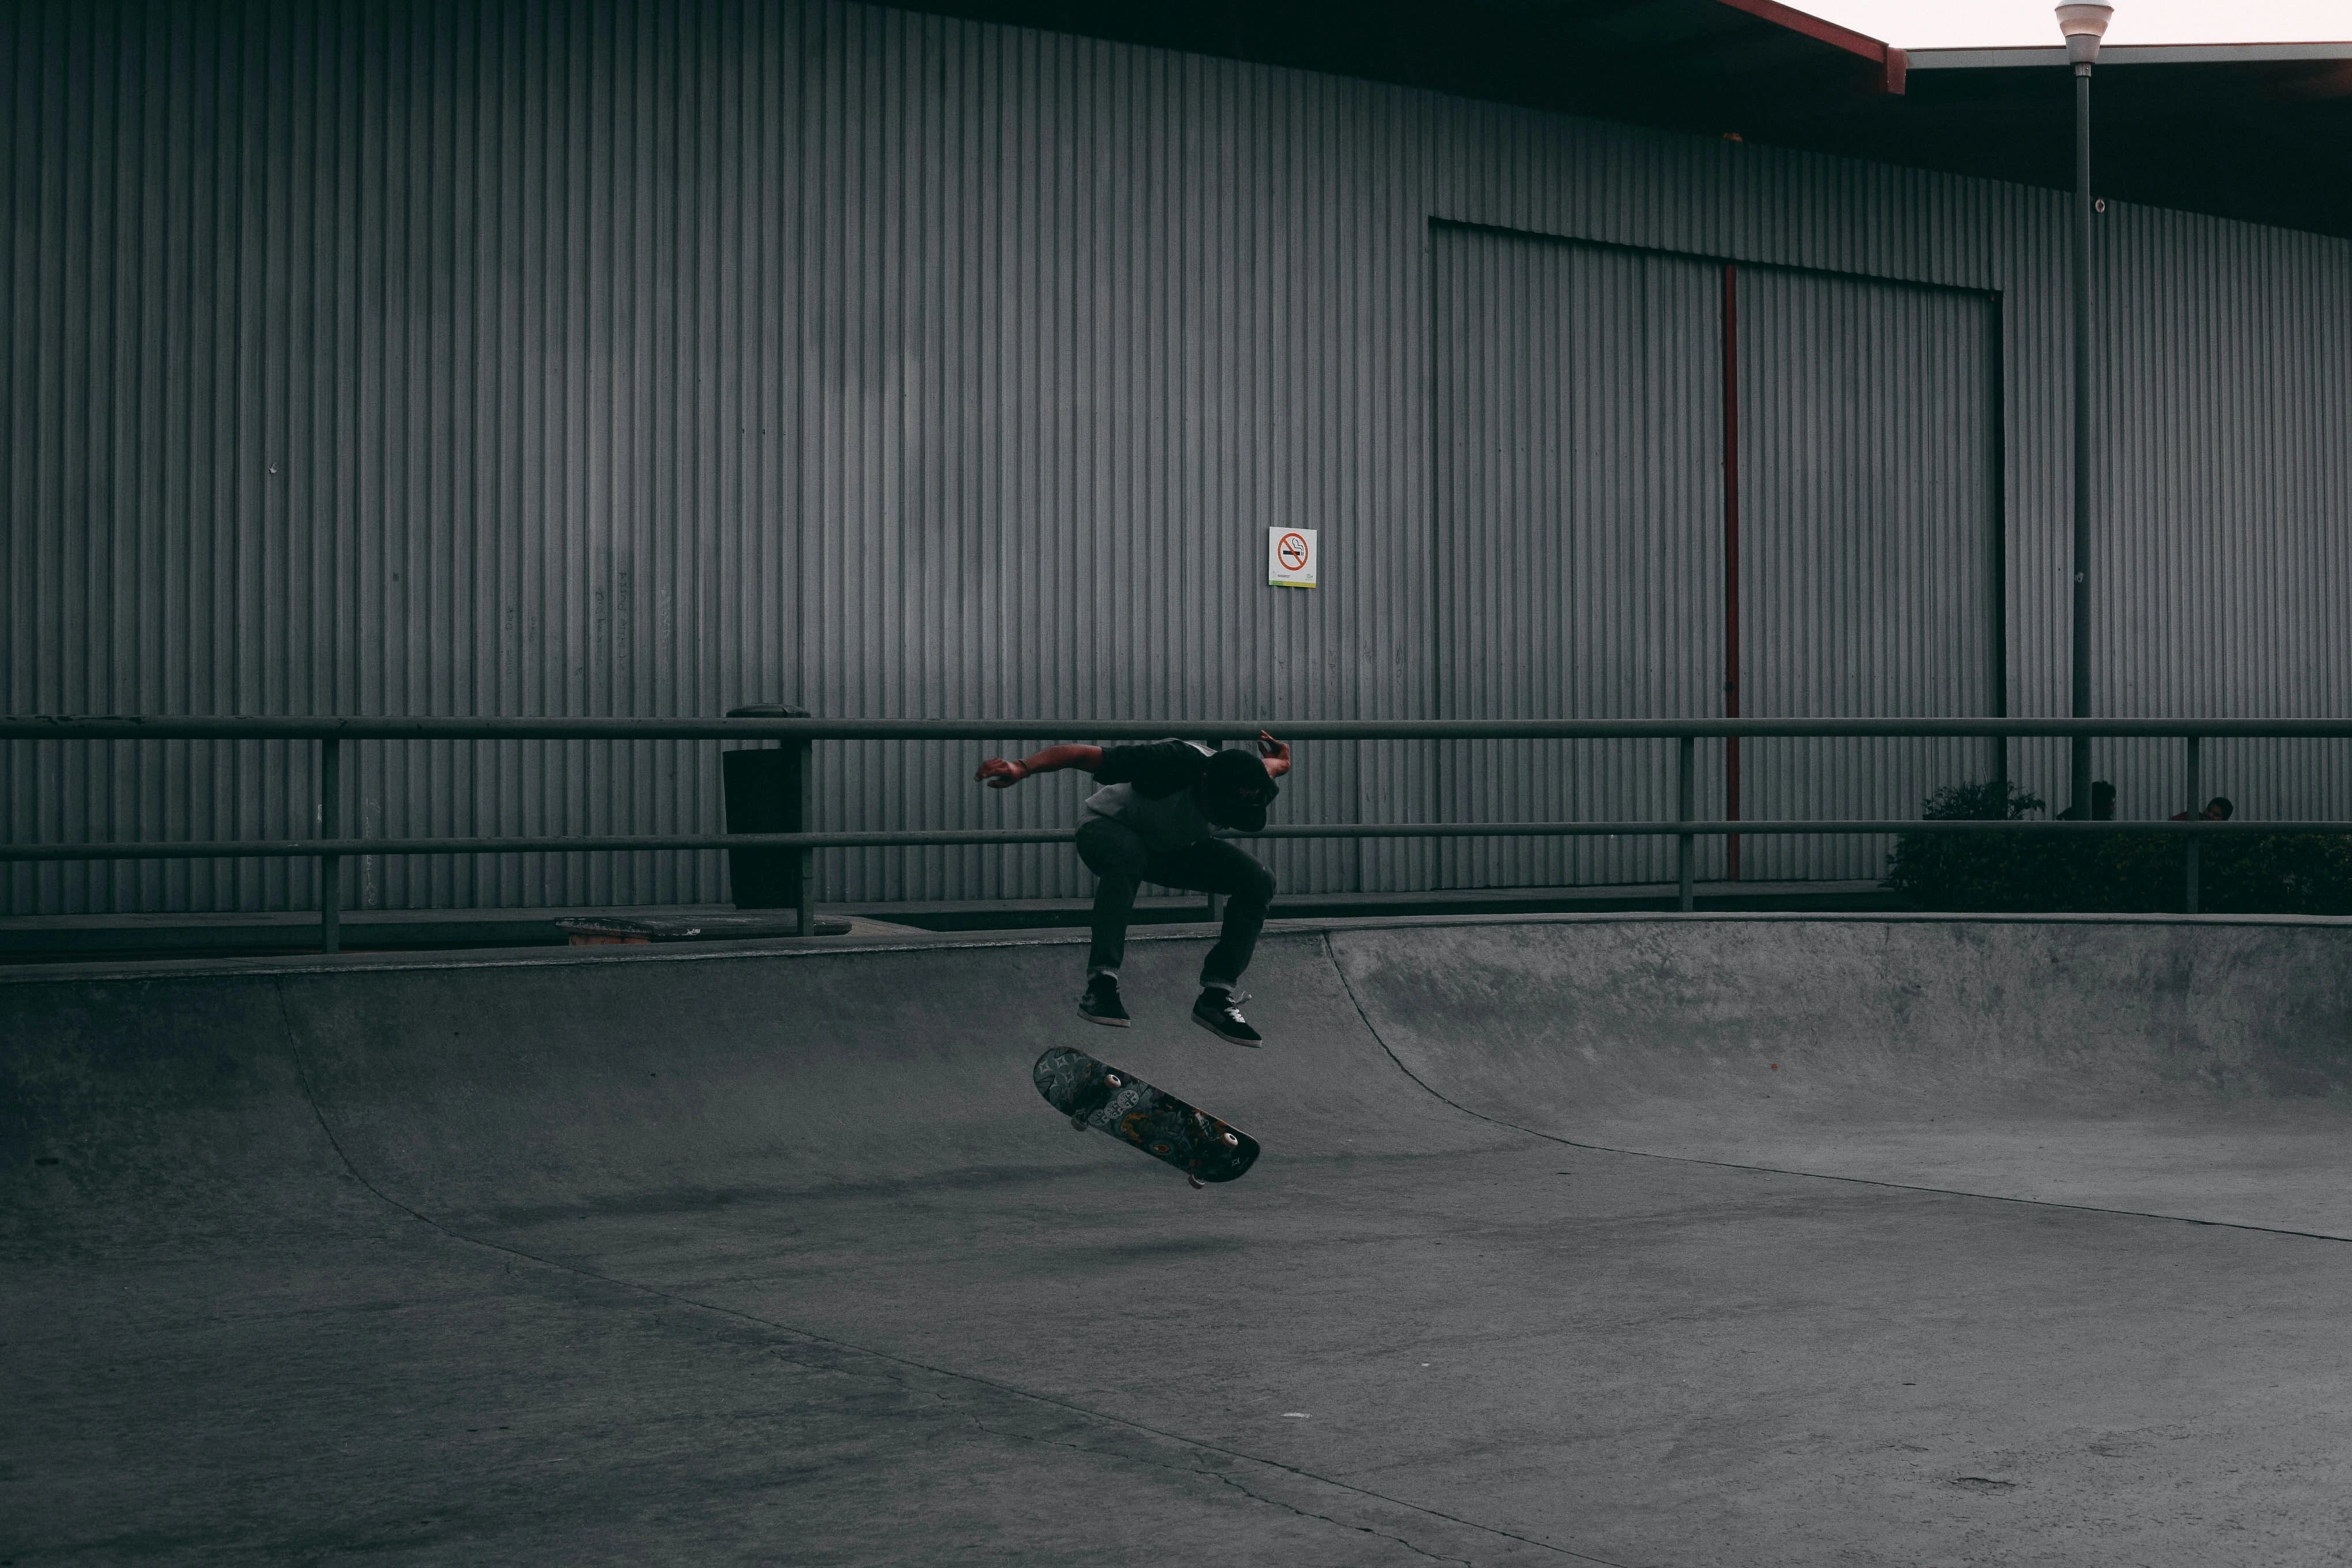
x=1095 y=1094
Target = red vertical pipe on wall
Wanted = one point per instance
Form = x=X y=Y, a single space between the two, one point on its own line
x=1731 y=560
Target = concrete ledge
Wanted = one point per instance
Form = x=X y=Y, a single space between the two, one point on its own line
x=876 y=938
x=979 y=914
x=35 y=938
x=40 y=938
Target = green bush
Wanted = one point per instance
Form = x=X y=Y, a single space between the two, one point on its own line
x=2264 y=873
x=1973 y=870
x=2277 y=873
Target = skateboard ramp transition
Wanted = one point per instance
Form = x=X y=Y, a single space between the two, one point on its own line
x=2203 y=1071
x=839 y=1149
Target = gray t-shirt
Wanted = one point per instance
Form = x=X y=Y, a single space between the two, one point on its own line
x=1164 y=821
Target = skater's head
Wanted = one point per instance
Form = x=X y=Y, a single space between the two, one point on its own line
x=2102 y=800
x=1234 y=790
x=2219 y=809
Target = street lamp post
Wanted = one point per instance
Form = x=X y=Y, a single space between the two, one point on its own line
x=2082 y=26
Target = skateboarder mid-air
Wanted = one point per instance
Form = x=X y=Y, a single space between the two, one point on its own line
x=1154 y=821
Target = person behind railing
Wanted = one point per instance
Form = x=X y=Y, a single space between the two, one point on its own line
x=2102 y=803
x=2217 y=809
x=1154 y=820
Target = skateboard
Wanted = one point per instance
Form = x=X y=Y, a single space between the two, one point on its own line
x=1095 y=1094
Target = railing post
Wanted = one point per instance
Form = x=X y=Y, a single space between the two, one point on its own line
x=804 y=808
x=330 y=825
x=1215 y=905
x=1686 y=811
x=2196 y=809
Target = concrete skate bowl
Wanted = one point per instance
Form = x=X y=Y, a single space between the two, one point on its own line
x=775 y=1256
x=504 y=1097
x=2195 y=1069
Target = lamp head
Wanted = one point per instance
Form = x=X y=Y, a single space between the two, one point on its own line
x=2085 y=26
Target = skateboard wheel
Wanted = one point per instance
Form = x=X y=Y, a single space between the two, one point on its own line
x=1197 y=1182
x=1077 y=1124
x=1112 y=1079
x=1237 y=1143
x=1159 y=1148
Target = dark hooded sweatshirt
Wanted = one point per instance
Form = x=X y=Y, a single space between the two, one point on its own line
x=1148 y=789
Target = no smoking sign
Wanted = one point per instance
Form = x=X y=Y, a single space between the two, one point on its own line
x=1291 y=557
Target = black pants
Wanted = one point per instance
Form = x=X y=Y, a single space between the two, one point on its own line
x=1113 y=852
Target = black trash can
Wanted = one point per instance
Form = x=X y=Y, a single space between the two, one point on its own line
x=766 y=793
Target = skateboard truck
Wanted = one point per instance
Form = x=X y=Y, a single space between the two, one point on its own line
x=1232 y=1141
x=1087 y=1104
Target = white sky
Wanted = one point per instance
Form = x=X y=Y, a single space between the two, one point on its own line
x=1951 y=23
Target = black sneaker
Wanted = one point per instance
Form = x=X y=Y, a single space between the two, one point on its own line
x=1220 y=1013
x=1101 y=1004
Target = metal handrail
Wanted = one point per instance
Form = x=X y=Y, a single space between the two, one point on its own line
x=1685 y=827
x=286 y=728
x=925 y=838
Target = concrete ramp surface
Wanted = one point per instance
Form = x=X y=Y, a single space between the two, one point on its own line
x=1633 y=1240
x=2202 y=1071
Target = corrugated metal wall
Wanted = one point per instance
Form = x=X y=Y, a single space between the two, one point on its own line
x=1868 y=543
x=1579 y=445
x=610 y=358
x=2225 y=354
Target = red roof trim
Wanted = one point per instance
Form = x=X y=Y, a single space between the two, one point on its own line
x=1797 y=21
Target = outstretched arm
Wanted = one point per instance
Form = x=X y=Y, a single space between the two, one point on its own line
x=998 y=772
x=1275 y=754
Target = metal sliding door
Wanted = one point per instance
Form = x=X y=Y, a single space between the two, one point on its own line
x=1577 y=427
x=1869 y=547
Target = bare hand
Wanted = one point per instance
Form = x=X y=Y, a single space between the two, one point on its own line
x=999 y=773
x=1277 y=754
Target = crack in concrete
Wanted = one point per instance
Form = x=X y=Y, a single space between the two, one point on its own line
x=1224 y=1476
x=1234 y=1482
